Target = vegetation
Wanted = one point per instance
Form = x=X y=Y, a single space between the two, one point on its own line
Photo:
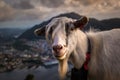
x=19 y=45
x=29 y=77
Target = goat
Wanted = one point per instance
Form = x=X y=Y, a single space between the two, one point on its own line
x=69 y=42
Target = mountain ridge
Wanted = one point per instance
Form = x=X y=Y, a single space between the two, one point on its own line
x=102 y=25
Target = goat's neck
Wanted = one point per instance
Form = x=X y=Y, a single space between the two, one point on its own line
x=79 y=54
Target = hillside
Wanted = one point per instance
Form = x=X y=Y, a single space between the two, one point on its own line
x=94 y=23
x=7 y=34
x=29 y=34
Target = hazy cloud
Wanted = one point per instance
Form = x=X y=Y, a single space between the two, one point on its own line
x=41 y=9
x=23 y=5
x=51 y=3
x=29 y=14
x=6 y=11
x=20 y=4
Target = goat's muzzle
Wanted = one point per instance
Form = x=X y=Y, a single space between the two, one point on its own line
x=59 y=51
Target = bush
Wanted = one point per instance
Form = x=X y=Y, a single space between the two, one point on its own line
x=29 y=77
x=19 y=45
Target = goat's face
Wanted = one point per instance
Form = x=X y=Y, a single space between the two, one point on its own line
x=60 y=33
x=56 y=33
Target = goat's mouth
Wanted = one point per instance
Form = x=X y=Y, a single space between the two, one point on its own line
x=61 y=56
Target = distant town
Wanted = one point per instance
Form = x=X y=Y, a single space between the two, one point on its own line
x=24 y=53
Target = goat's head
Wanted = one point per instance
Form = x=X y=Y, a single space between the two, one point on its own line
x=60 y=33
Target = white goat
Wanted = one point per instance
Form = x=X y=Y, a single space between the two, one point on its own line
x=68 y=41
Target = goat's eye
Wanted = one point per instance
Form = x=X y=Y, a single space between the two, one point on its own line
x=70 y=26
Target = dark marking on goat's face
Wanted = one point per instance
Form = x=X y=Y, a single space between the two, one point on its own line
x=40 y=31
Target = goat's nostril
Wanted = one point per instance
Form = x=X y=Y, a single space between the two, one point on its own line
x=57 y=47
x=60 y=47
x=54 y=48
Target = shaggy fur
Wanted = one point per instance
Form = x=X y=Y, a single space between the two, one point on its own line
x=105 y=53
x=105 y=56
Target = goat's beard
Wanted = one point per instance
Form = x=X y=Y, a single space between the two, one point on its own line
x=63 y=67
x=63 y=64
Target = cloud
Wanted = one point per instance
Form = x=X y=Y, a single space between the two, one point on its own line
x=20 y=4
x=23 y=5
x=51 y=3
x=6 y=12
x=28 y=15
x=24 y=13
x=81 y=2
x=93 y=8
x=42 y=9
x=12 y=11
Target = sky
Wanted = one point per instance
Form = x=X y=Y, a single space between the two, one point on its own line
x=27 y=13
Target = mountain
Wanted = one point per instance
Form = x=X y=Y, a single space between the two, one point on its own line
x=29 y=34
x=93 y=23
x=115 y=22
x=7 y=34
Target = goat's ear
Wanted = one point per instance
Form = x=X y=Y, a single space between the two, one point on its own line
x=40 y=31
x=81 y=22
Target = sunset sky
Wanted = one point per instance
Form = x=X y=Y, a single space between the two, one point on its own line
x=26 y=13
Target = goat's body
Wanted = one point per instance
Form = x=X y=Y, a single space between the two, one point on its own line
x=105 y=55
